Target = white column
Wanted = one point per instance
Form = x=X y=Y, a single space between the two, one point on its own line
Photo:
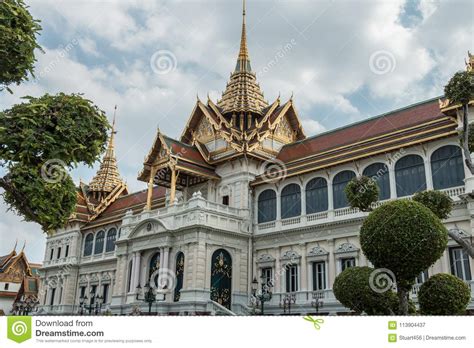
x=304 y=269
x=278 y=271
x=429 y=177
x=330 y=200
x=136 y=270
x=331 y=263
x=162 y=266
x=278 y=198
x=393 y=182
x=303 y=201
x=166 y=257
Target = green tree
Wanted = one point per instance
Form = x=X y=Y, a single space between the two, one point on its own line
x=18 y=31
x=405 y=237
x=460 y=90
x=362 y=192
x=436 y=201
x=444 y=294
x=41 y=138
x=355 y=289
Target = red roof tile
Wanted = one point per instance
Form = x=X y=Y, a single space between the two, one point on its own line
x=383 y=124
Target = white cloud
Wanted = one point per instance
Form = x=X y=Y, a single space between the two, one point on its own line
x=312 y=127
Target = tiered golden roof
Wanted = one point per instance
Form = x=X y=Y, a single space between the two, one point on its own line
x=242 y=92
x=108 y=176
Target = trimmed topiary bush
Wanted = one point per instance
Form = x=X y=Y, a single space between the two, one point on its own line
x=352 y=288
x=405 y=237
x=361 y=192
x=444 y=294
x=438 y=202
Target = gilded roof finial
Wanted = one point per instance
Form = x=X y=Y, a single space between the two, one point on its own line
x=24 y=245
x=16 y=243
x=243 y=61
x=108 y=176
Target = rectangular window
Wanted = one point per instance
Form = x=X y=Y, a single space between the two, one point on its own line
x=319 y=275
x=347 y=262
x=225 y=200
x=105 y=293
x=51 y=255
x=93 y=292
x=66 y=253
x=460 y=263
x=58 y=255
x=6 y=286
x=422 y=277
x=82 y=292
x=53 y=292
x=291 y=278
x=267 y=277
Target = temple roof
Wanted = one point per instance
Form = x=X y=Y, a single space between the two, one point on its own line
x=385 y=133
x=242 y=93
x=108 y=176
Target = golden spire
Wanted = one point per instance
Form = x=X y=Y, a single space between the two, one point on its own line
x=470 y=62
x=242 y=94
x=243 y=61
x=107 y=177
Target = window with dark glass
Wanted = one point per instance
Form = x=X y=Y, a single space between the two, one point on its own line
x=347 y=262
x=339 y=183
x=225 y=200
x=7 y=285
x=99 y=243
x=51 y=255
x=410 y=175
x=291 y=278
x=82 y=292
x=422 y=277
x=111 y=237
x=129 y=278
x=267 y=206
x=267 y=277
x=460 y=263
x=105 y=293
x=447 y=167
x=93 y=292
x=316 y=195
x=290 y=201
x=319 y=275
x=379 y=173
x=66 y=252
x=58 y=255
x=51 y=299
x=88 y=244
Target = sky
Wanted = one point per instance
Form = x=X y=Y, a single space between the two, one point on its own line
x=343 y=61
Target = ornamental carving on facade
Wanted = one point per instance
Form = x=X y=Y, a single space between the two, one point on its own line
x=346 y=248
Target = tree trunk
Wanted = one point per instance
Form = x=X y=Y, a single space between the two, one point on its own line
x=403 y=300
x=462 y=242
x=465 y=139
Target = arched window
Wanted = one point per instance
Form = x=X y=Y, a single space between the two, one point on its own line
x=179 y=276
x=153 y=270
x=99 y=242
x=88 y=244
x=267 y=206
x=111 y=237
x=316 y=195
x=290 y=201
x=339 y=183
x=221 y=278
x=447 y=167
x=379 y=173
x=410 y=175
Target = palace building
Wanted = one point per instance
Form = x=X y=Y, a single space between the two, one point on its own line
x=244 y=195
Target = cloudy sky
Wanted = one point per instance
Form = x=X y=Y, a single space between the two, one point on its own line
x=343 y=61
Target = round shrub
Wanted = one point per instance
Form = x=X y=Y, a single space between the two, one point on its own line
x=352 y=288
x=405 y=237
x=444 y=294
x=361 y=192
x=438 y=202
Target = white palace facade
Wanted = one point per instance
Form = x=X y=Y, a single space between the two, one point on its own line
x=244 y=195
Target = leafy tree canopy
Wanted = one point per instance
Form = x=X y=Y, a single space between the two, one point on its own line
x=18 y=32
x=436 y=201
x=40 y=139
x=444 y=294
x=361 y=192
x=460 y=89
x=405 y=237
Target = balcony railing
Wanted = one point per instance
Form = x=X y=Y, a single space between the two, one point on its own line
x=195 y=211
x=334 y=215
